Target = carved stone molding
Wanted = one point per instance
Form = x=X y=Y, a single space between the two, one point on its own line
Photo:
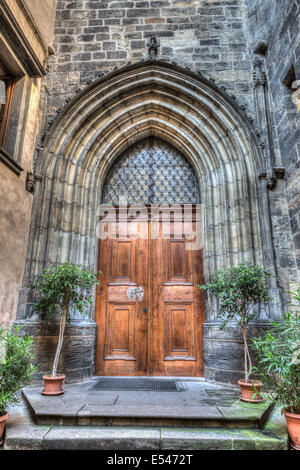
x=10 y=162
x=272 y=177
x=259 y=75
x=13 y=33
x=153 y=45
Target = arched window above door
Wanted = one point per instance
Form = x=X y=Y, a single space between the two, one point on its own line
x=151 y=172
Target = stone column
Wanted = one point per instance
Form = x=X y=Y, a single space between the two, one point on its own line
x=267 y=179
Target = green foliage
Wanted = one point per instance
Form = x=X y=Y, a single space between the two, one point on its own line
x=16 y=369
x=278 y=353
x=62 y=289
x=64 y=285
x=240 y=288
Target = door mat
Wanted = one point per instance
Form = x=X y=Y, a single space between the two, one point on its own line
x=147 y=385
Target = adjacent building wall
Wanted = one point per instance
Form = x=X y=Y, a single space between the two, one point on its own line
x=26 y=29
x=43 y=14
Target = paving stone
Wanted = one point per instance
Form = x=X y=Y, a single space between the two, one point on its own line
x=202 y=440
x=23 y=437
x=87 y=438
x=252 y=412
x=167 y=411
x=21 y=432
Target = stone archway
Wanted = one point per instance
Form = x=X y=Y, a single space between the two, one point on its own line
x=152 y=98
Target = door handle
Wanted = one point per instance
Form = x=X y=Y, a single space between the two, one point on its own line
x=135 y=293
x=140 y=293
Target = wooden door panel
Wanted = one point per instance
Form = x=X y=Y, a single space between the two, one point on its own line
x=122 y=268
x=178 y=307
x=178 y=292
x=177 y=261
x=122 y=334
x=179 y=332
x=120 y=331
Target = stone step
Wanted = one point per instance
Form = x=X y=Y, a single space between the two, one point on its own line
x=23 y=434
x=156 y=416
x=152 y=409
x=103 y=438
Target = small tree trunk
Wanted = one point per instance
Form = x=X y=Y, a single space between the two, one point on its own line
x=244 y=330
x=60 y=339
x=247 y=357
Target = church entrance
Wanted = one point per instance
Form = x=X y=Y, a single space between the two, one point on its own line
x=149 y=310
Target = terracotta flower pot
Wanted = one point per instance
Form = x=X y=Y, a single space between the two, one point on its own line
x=3 y=420
x=293 y=426
x=249 y=389
x=53 y=385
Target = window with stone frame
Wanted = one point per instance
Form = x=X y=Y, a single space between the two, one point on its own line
x=13 y=98
x=6 y=94
x=6 y=84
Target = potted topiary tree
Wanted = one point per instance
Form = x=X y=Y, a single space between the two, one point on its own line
x=62 y=289
x=278 y=352
x=240 y=289
x=16 y=369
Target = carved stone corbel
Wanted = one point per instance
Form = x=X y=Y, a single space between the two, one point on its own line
x=259 y=75
x=260 y=47
x=272 y=177
x=31 y=179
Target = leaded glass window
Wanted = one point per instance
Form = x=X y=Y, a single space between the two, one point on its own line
x=151 y=172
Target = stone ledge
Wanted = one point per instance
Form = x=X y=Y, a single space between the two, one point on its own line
x=8 y=161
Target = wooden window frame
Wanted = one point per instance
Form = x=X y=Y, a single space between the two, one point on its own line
x=10 y=85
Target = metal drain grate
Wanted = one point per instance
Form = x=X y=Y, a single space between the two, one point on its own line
x=151 y=385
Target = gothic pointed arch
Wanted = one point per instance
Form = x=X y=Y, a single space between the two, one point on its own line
x=148 y=99
x=188 y=112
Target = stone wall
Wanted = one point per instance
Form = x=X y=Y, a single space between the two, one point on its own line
x=276 y=23
x=207 y=36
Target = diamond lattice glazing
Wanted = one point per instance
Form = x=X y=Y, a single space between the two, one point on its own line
x=151 y=172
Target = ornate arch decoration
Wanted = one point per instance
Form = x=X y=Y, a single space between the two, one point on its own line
x=151 y=98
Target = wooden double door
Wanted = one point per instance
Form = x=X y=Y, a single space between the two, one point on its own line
x=149 y=310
